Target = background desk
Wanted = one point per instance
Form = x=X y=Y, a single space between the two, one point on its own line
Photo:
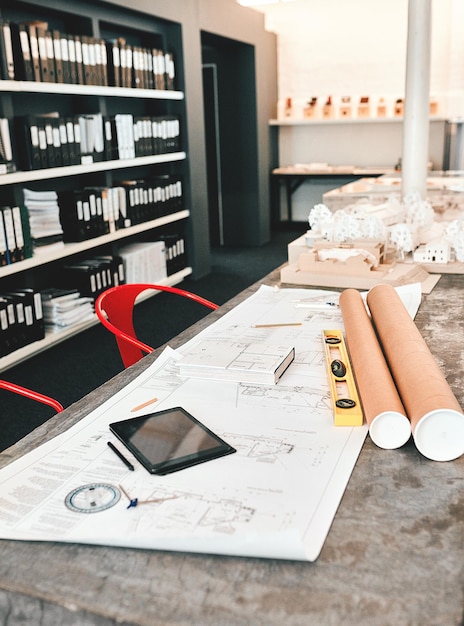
x=394 y=554
x=292 y=177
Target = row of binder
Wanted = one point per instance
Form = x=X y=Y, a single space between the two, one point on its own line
x=21 y=319
x=50 y=140
x=24 y=313
x=176 y=256
x=85 y=213
x=32 y=51
x=92 y=276
x=94 y=211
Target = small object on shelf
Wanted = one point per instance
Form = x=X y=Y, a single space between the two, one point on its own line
x=433 y=106
x=381 y=108
x=345 y=107
x=310 y=110
x=328 y=109
x=288 y=107
x=364 y=109
x=398 y=108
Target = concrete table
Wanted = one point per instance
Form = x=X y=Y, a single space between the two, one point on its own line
x=394 y=554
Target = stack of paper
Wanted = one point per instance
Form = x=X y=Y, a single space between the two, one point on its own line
x=65 y=307
x=44 y=219
x=144 y=262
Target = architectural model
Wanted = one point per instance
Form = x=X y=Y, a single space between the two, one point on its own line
x=366 y=243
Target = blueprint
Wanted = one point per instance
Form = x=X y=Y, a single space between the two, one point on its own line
x=274 y=498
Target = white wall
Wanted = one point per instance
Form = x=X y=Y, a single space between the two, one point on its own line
x=355 y=48
x=358 y=47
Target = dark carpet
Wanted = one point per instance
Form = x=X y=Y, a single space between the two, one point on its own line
x=82 y=363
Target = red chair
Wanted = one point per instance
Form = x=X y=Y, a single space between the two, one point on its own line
x=33 y=395
x=114 y=308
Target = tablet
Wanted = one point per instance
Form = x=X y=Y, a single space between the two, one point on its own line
x=170 y=440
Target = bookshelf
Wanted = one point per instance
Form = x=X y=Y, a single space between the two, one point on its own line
x=373 y=143
x=343 y=121
x=53 y=339
x=133 y=30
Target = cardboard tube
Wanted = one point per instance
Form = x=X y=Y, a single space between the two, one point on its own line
x=437 y=420
x=385 y=415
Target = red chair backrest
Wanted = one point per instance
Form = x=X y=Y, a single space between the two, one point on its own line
x=115 y=307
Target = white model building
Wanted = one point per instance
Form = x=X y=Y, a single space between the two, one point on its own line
x=437 y=251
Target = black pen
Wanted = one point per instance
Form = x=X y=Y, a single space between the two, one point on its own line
x=121 y=456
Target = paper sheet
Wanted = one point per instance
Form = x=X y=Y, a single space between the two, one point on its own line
x=276 y=497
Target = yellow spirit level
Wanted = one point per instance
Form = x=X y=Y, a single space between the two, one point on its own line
x=344 y=394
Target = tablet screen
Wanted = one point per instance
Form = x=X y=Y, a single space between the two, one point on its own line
x=170 y=440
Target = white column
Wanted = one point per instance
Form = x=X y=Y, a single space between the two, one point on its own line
x=416 y=101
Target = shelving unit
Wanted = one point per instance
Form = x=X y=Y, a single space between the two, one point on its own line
x=371 y=142
x=71 y=249
x=100 y=166
x=53 y=339
x=18 y=97
x=22 y=86
x=343 y=121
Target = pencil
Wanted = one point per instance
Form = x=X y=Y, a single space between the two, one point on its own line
x=143 y=405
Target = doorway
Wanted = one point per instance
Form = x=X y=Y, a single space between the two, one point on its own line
x=229 y=96
x=213 y=154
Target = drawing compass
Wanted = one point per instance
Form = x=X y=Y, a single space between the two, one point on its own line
x=92 y=498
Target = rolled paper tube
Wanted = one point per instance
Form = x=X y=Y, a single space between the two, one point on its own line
x=385 y=414
x=437 y=420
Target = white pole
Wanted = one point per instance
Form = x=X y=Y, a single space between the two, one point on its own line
x=416 y=101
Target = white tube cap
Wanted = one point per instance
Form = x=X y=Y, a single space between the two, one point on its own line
x=390 y=430
x=439 y=435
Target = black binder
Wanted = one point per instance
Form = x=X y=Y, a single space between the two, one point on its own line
x=113 y=63
x=3 y=245
x=80 y=78
x=19 y=234
x=24 y=69
x=12 y=335
x=50 y=56
x=29 y=306
x=6 y=51
x=73 y=148
x=5 y=331
x=34 y=48
x=58 y=58
x=84 y=276
x=103 y=56
x=65 y=58
x=46 y=64
x=64 y=146
x=7 y=164
x=72 y=59
x=170 y=71
x=74 y=216
x=9 y=232
x=111 y=144
x=17 y=319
